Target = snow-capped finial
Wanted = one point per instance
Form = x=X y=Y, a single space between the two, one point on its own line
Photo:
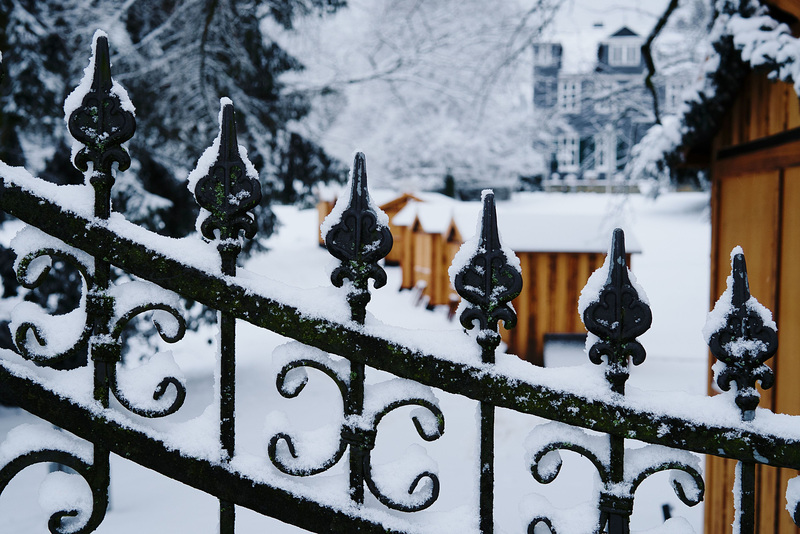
x=487 y=280
x=102 y=118
x=225 y=183
x=617 y=316
x=359 y=237
x=742 y=336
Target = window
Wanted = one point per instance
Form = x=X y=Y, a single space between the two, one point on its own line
x=569 y=96
x=605 y=157
x=567 y=154
x=624 y=55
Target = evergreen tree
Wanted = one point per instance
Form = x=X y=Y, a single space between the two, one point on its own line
x=176 y=59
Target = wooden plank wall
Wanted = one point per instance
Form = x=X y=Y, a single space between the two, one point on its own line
x=408 y=246
x=756 y=204
x=548 y=303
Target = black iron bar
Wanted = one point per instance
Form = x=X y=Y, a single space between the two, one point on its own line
x=486 y=481
x=227 y=386
x=746 y=506
x=487 y=282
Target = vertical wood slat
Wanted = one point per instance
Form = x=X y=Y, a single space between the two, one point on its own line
x=407 y=260
x=787 y=399
x=793 y=109
x=778 y=106
x=759 y=111
x=543 y=285
x=559 y=301
x=758 y=194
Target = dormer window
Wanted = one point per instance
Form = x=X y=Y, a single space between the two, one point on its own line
x=624 y=48
x=624 y=55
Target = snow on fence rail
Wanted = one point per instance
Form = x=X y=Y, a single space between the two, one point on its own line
x=76 y=223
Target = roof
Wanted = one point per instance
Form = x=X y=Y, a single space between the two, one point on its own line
x=625 y=32
x=525 y=226
x=581 y=25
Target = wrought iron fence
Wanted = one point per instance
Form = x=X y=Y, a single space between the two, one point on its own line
x=88 y=234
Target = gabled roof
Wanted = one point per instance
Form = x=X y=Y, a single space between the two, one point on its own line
x=625 y=32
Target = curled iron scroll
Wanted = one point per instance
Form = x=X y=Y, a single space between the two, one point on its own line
x=290 y=390
x=97 y=477
x=616 y=495
x=163 y=386
x=31 y=273
x=427 y=435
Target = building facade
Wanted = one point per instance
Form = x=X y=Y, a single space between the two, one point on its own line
x=591 y=120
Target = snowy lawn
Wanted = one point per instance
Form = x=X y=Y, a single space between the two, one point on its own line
x=673 y=269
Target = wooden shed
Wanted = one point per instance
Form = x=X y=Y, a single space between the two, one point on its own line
x=556 y=262
x=557 y=253
x=748 y=136
x=423 y=229
x=418 y=230
x=392 y=208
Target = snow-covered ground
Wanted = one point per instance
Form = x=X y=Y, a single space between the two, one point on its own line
x=673 y=231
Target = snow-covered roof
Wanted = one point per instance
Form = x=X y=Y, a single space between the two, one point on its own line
x=581 y=25
x=533 y=223
x=381 y=196
x=530 y=232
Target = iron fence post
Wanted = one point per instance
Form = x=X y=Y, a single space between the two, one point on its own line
x=487 y=281
x=228 y=189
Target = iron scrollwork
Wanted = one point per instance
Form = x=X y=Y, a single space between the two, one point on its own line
x=170 y=309
x=356 y=431
x=616 y=494
x=90 y=463
x=742 y=337
x=29 y=321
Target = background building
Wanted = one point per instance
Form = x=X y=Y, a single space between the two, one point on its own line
x=592 y=119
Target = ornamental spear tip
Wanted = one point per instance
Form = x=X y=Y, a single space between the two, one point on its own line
x=101 y=80
x=741 y=285
x=358 y=191
x=229 y=144
x=489 y=236
x=619 y=272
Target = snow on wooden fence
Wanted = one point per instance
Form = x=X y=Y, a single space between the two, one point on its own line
x=76 y=223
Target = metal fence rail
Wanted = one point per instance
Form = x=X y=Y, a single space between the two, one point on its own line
x=227 y=189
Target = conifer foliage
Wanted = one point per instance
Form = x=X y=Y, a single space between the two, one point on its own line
x=176 y=58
